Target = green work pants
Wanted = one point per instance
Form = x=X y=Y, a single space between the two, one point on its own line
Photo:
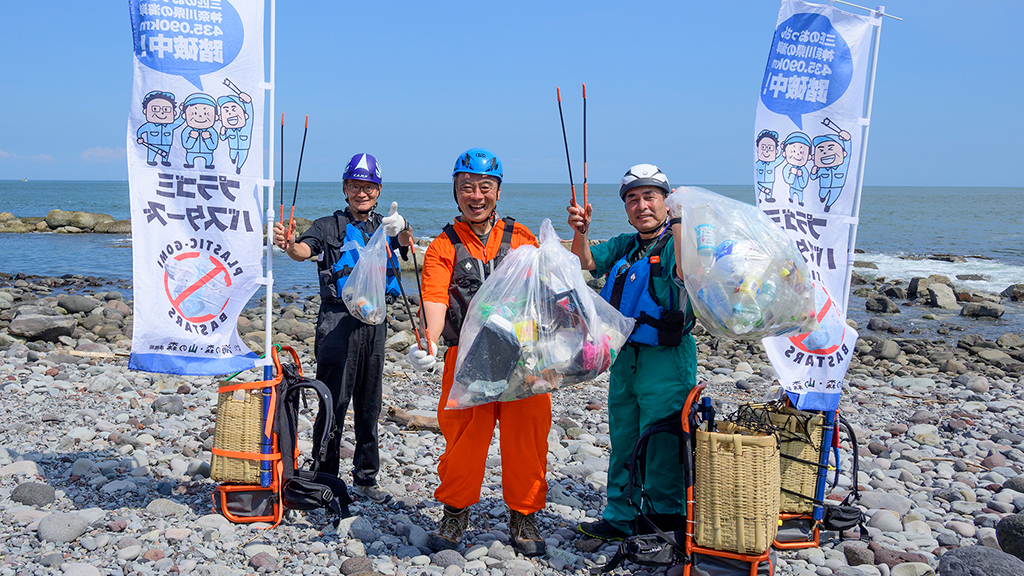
x=647 y=384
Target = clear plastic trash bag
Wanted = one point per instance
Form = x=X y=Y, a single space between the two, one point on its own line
x=745 y=276
x=534 y=326
x=363 y=293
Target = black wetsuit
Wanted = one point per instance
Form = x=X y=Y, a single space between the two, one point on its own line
x=349 y=353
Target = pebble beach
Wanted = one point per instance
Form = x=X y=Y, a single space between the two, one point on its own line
x=104 y=470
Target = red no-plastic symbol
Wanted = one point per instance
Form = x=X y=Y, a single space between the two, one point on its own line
x=798 y=340
x=218 y=268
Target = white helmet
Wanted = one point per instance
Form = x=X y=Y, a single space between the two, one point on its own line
x=643 y=175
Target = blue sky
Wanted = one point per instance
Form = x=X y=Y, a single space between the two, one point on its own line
x=416 y=83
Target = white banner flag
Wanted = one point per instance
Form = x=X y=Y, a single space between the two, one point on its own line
x=807 y=144
x=195 y=158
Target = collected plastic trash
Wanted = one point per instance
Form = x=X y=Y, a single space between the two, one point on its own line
x=363 y=293
x=745 y=276
x=534 y=326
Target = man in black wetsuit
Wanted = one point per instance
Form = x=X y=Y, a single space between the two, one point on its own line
x=350 y=353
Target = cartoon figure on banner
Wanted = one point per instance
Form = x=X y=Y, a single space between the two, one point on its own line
x=768 y=159
x=235 y=126
x=198 y=289
x=199 y=139
x=831 y=163
x=797 y=151
x=157 y=134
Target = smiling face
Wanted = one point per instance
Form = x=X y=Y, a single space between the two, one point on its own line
x=200 y=116
x=645 y=208
x=829 y=153
x=232 y=115
x=476 y=195
x=767 y=150
x=361 y=195
x=159 y=111
x=796 y=153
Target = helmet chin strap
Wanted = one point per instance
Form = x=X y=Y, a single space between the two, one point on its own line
x=655 y=229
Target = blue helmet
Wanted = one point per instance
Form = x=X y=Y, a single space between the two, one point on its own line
x=363 y=167
x=478 y=161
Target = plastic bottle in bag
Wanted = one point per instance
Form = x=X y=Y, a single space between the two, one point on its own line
x=705 y=230
x=746 y=313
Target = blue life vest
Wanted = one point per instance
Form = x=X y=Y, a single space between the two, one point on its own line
x=630 y=289
x=346 y=261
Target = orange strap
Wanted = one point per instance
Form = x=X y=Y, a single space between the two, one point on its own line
x=245 y=455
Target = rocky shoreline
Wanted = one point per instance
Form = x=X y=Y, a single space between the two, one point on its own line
x=104 y=470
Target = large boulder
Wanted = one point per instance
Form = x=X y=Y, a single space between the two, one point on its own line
x=942 y=296
x=1010 y=533
x=1013 y=292
x=982 y=309
x=919 y=286
x=74 y=303
x=1010 y=340
x=979 y=561
x=39 y=327
x=84 y=220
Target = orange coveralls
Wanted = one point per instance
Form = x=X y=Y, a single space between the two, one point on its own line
x=524 y=424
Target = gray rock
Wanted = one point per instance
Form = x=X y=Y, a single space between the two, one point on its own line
x=263 y=560
x=169 y=405
x=885 y=349
x=942 y=296
x=877 y=499
x=61 y=527
x=80 y=569
x=1013 y=291
x=39 y=327
x=85 y=467
x=879 y=324
x=982 y=309
x=447 y=558
x=1016 y=484
x=165 y=507
x=918 y=287
x=882 y=305
x=84 y=220
x=1010 y=341
x=357 y=527
x=353 y=566
x=33 y=494
x=858 y=555
x=406 y=551
x=979 y=561
x=73 y=303
x=1010 y=532
x=53 y=560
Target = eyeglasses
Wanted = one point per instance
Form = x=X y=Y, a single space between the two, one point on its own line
x=164 y=109
x=363 y=188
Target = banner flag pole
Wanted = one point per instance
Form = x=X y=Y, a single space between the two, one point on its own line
x=866 y=124
x=268 y=368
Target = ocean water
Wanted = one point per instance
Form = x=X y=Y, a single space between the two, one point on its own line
x=897 y=224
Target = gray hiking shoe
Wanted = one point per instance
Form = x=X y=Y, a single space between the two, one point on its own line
x=522 y=529
x=449 y=532
x=372 y=492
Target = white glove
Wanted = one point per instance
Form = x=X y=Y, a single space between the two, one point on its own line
x=393 y=223
x=420 y=359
